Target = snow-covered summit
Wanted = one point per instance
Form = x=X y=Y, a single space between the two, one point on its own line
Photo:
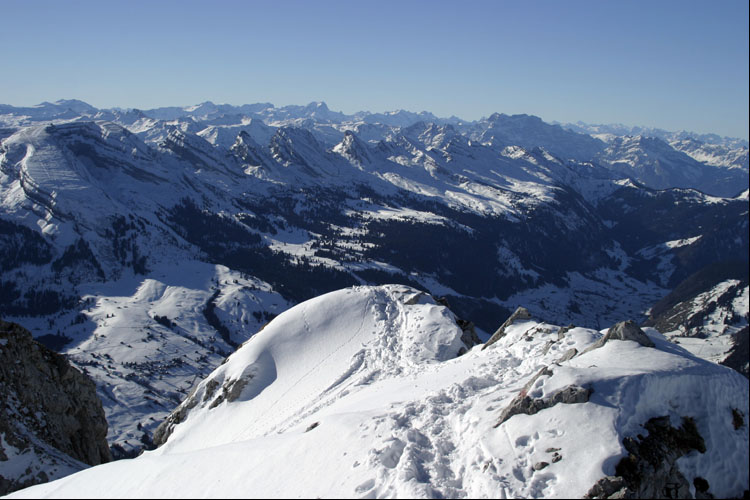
x=308 y=356
x=353 y=149
x=359 y=393
x=530 y=131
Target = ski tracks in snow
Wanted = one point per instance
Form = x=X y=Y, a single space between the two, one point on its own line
x=371 y=362
x=326 y=398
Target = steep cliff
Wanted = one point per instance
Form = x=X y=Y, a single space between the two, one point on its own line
x=51 y=419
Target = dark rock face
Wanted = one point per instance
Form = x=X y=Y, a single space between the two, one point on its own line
x=469 y=333
x=650 y=470
x=739 y=356
x=47 y=408
x=162 y=433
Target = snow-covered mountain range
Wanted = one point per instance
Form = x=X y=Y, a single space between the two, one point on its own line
x=147 y=245
x=665 y=135
x=711 y=149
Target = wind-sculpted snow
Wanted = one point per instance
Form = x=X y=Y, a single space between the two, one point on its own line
x=306 y=357
x=358 y=393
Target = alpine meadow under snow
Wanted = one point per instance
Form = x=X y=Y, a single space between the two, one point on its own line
x=295 y=302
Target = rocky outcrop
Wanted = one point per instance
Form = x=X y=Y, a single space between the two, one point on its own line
x=212 y=392
x=162 y=433
x=51 y=419
x=624 y=330
x=529 y=406
x=521 y=313
x=739 y=355
x=468 y=333
x=568 y=355
x=525 y=404
x=650 y=469
x=468 y=330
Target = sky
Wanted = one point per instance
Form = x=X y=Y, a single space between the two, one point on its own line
x=677 y=65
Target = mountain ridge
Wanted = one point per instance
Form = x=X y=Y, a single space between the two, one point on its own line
x=360 y=392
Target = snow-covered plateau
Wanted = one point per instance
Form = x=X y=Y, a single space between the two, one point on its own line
x=362 y=393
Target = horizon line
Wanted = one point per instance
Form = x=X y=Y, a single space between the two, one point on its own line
x=394 y=111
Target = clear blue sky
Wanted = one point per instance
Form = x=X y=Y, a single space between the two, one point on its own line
x=670 y=64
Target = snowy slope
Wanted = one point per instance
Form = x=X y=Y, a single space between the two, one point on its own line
x=310 y=354
x=613 y=130
x=713 y=334
x=530 y=131
x=657 y=164
x=359 y=393
x=707 y=314
x=714 y=154
x=153 y=339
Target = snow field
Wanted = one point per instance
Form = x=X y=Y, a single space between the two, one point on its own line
x=357 y=393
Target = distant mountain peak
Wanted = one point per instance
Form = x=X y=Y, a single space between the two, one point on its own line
x=317 y=105
x=353 y=149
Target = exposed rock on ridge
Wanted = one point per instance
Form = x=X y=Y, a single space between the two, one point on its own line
x=520 y=314
x=650 y=470
x=624 y=330
x=49 y=409
x=524 y=404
